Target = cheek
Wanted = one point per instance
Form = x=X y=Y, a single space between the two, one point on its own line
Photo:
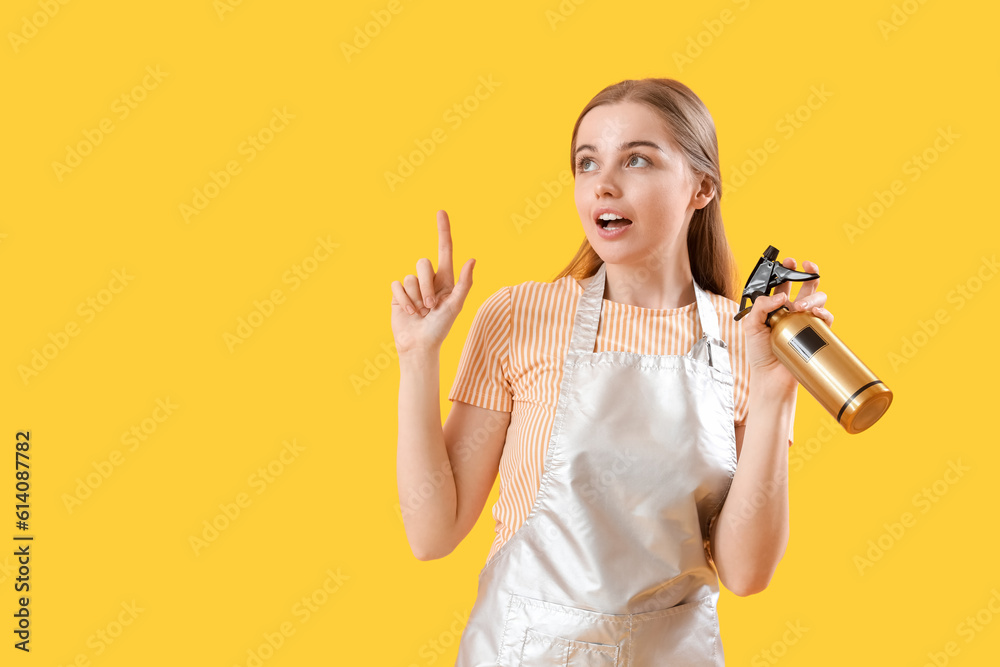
x=581 y=207
x=663 y=200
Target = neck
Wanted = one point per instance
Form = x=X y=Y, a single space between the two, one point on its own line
x=658 y=283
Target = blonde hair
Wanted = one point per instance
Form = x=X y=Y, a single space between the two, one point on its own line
x=692 y=127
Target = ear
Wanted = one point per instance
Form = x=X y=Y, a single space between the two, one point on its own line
x=705 y=191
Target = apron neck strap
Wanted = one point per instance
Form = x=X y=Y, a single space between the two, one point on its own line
x=588 y=314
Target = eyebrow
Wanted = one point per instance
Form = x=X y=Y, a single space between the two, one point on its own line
x=622 y=147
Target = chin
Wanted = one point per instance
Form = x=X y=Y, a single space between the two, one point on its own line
x=613 y=252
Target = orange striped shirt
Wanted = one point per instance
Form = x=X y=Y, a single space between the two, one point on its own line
x=513 y=361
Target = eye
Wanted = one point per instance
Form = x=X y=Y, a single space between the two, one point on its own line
x=635 y=156
x=583 y=162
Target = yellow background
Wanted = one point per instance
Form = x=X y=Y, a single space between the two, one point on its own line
x=295 y=378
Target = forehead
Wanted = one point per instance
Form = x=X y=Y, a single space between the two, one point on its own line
x=608 y=125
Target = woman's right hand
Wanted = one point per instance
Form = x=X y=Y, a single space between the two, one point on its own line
x=425 y=306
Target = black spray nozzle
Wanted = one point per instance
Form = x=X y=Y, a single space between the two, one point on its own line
x=767 y=275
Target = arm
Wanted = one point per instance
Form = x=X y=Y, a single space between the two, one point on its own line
x=750 y=535
x=444 y=476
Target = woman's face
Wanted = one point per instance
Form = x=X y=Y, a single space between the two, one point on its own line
x=627 y=162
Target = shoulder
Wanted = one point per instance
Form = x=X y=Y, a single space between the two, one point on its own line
x=532 y=295
x=519 y=301
x=518 y=312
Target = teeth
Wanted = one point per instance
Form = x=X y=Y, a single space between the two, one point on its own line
x=610 y=216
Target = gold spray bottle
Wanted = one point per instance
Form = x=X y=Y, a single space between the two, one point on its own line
x=814 y=355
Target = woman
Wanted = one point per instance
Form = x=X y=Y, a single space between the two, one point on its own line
x=638 y=429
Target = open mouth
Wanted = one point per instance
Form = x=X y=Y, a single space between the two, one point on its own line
x=614 y=224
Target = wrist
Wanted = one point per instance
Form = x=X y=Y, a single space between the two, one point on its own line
x=773 y=389
x=418 y=358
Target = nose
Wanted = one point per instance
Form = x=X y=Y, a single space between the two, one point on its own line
x=606 y=185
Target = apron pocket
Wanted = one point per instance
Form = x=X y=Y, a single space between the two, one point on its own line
x=541 y=650
x=538 y=633
x=684 y=635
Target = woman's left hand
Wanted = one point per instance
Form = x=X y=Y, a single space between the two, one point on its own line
x=763 y=364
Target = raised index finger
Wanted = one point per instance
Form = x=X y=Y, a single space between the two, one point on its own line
x=444 y=269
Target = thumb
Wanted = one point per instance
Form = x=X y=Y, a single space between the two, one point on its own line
x=464 y=283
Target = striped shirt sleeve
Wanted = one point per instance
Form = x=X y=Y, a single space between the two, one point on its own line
x=483 y=372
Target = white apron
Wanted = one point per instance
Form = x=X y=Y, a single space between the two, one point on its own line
x=611 y=566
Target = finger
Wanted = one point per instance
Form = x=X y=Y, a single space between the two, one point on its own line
x=425 y=278
x=445 y=270
x=786 y=288
x=400 y=297
x=763 y=305
x=808 y=287
x=816 y=299
x=823 y=314
x=464 y=283
x=413 y=291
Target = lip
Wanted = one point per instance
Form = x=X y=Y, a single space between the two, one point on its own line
x=601 y=211
x=606 y=233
